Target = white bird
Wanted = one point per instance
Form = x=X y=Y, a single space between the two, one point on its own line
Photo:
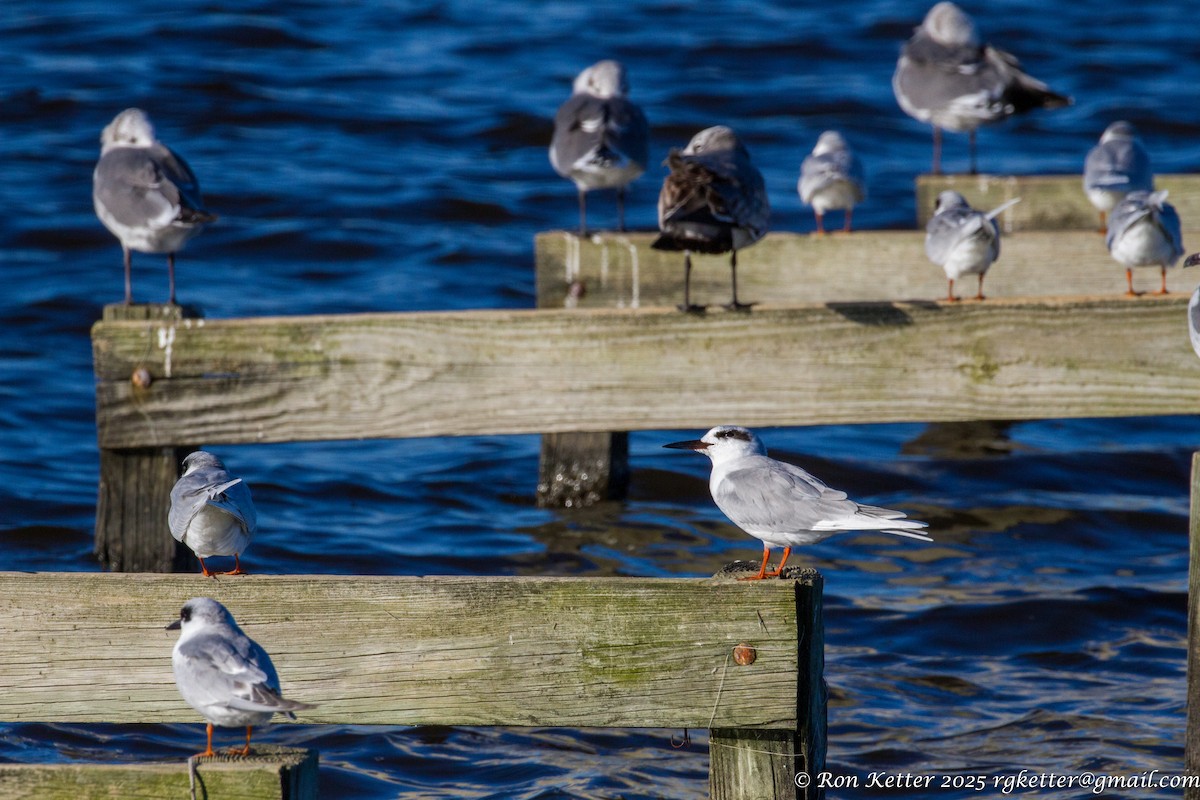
x=145 y=194
x=601 y=138
x=223 y=673
x=946 y=77
x=1194 y=307
x=831 y=177
x=712 y=201
x=781 y=504
x=1144 y=231
x=961 y=240
x=211 y=511
x=1116 y=166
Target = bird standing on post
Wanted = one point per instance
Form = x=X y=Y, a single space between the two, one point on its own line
x=223 y=673
x=1116 y=166
x=1144 y=231
x=961 y=240
x=781 y=504
x=145 y=194
x=831 y=177
x=712 y=201
x=601 y=139
x=211 y=511
x=946 y=77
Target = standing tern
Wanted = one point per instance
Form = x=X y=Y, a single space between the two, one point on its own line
x=781 y=504
x=831 y=177
x=1144 y=231
x=223 y=673
x=961 y=240
x=211 y=511
x=1116 y=166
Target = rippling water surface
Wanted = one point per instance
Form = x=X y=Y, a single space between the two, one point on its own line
x=391 y=156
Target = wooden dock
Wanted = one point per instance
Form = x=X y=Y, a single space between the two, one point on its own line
x=557 y=652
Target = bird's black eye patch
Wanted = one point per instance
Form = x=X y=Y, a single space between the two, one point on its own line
x=186 y=614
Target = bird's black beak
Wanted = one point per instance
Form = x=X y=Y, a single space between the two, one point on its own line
x=174 y=626
x=1192 y=260
x=694 y=444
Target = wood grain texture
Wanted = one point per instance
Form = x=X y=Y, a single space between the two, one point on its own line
x=1048 y=202
x=499 y=372
x=571 y=652
x=621 y=271
x=131 y=511
x=270 y=773
x=1192 y=737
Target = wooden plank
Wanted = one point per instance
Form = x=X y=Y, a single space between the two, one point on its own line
x=569 y=652
x=269 y=773
x=499 y=372
x=622 y=271
x=1048 y=202
x=1192 y=737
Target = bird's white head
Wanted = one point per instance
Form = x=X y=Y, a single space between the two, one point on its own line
x=949 y=25
x=949 y=199
x=130 y=128
x=199 y=460
x=712 y=140
x=604 y=79
x=829 y=142
x=199 y=613
x=724 y=442
x=1119 y=130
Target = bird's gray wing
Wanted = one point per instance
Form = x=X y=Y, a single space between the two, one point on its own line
x=769 y=496
x=578 y=129
x=236 y=673
x=738 y=193
x=1128 y=213
x=210 y=487
x=945 y=230
x=627 y=131
x=131 y=185
x=1167 y=219
x=1119 y=165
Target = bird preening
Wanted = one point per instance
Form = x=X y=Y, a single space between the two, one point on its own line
x=781 y=504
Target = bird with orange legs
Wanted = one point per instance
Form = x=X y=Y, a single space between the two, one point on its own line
x=212 y=511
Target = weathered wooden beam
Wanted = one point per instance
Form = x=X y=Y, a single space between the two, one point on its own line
x=135 y=483
x=622 y=271
x=269 y=773
x=576 y=470
x=567 y=652
x=1048 y=202
x=497 y=372
x=1192 y=736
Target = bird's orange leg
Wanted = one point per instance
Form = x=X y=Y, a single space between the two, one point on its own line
x=820 y=223
x=1129 y=280
x=846 y=225
x=242 y=751
x=950 y=298
x=980 y=296
x=1103 y=222
x=787 y=551
x=237 y=566
x=763 y=570
x=205 y=570
x=208 y=750
x=1163 y=290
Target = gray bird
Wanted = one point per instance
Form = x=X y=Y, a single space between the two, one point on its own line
x=1144 y=231
x=601 y=138
x=946 y=77
x=781 y=504
x=145 y=194
x=1194 y=307
x=223 y=673
x=831 y=177
x=961 y=240
x=1116 y=166
x=712 y=201
x=211 y=511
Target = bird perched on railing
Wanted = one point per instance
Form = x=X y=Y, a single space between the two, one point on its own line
x=945 y=76
x=145 y=194
x=223 y=673
x=1144 y=231
x=831 y=177
x=781 y=504
x=601 y=138
x=961 y=240
x=211 y=511
x=1116 y=166
x=712 y=201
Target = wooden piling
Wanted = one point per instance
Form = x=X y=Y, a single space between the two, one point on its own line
x=135 y=482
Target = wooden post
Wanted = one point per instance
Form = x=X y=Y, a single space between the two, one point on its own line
x=576 y=470
x=746 y=764
x=135 y=483
x=268 y=773
x=1192 y=743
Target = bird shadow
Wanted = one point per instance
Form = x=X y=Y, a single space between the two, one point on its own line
x=884 y=313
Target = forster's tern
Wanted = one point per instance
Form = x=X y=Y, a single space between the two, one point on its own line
x=1115 y=167
x=145 y=194
x=223 y=673
x=782 y=504
x=945 y=76
x=211 y=511
x=961 y=240
x=831 y=177
x=1144 y=231
x=601 y=139
x=713 y=201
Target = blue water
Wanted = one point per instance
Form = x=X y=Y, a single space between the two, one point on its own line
x=391 y=156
